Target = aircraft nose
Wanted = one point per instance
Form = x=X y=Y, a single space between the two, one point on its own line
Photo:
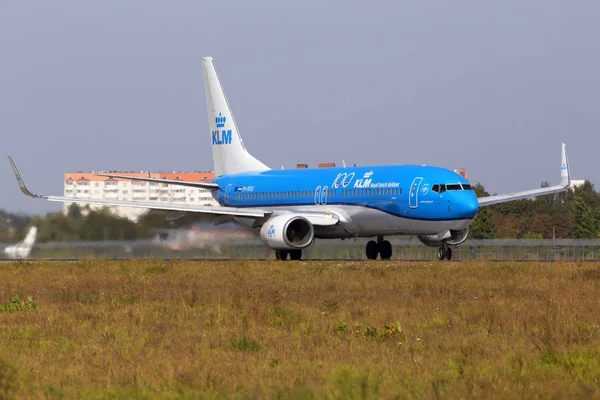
x=469 y=207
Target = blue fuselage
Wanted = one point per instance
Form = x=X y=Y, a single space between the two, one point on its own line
x=412 y=192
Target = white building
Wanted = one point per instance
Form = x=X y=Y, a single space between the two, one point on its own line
x=90 y=185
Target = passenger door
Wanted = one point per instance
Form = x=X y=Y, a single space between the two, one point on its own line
x=227 y=194
x=413 y=196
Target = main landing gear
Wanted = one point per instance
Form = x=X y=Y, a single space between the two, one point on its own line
x=382 y=248
x=283 y=254
x=445 y=252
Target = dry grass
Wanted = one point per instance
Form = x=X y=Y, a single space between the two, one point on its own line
x=299 y=330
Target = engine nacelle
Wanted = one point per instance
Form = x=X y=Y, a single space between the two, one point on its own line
x=287 y=232
x=452 y=238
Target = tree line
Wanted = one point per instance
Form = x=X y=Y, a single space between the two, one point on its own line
x=85 y=224
x=573 y=214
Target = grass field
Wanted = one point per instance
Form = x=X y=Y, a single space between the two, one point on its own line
x=335 y=330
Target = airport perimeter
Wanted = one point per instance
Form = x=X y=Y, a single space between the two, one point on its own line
x=404 y=250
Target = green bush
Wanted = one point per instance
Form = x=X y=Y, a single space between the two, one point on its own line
x=17 y=304
x=245 y=344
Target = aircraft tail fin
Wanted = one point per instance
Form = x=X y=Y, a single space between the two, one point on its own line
x=29 y=240
x=565 y=174
x=229 y=153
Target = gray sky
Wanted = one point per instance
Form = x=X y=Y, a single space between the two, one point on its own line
x=491 y=86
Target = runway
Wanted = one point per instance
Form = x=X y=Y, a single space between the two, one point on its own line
x=222 y=260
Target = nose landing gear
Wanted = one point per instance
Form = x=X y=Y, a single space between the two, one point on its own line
x=382 y=248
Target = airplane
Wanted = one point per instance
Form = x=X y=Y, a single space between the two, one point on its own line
x=292 y=208
x=23 y=248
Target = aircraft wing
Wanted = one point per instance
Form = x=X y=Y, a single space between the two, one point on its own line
x=232 y=211
x=565 y=183
x=201 y=185
x=320 y=218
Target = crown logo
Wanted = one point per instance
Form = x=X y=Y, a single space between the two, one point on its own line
x=221 y=120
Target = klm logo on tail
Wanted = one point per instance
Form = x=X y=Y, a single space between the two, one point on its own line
x=221 y=136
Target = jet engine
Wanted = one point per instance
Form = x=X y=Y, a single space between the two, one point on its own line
x=287 y=232
x=451 y=238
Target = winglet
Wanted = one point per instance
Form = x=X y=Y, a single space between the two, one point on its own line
x=565 y=173
x=20 y=180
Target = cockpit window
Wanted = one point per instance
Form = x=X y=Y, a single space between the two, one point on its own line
x=441 y=188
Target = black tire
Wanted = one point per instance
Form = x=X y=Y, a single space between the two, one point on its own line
x=281 y=255
x=372 y=250
x=385 y=250
x=448 y=254
x=295 y=254
x=441 y=253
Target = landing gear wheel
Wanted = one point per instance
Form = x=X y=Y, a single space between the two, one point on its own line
x=441 y=253
x=385 y=250
x=281 y=254
x=372 y=250
x=448 y=254
x=295 y=254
